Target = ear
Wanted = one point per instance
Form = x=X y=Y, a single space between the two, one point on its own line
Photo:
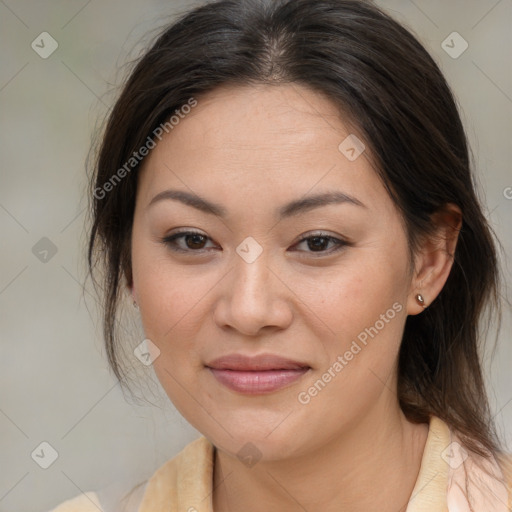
x=434 y=258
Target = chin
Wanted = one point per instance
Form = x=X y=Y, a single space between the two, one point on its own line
x=259 y=439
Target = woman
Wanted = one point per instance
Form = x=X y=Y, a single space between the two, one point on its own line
x=284 y=190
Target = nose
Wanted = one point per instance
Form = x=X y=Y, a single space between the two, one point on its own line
x=253 y=298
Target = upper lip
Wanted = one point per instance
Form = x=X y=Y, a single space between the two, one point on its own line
x=254 y=363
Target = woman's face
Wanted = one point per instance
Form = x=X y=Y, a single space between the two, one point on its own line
x=329 y=312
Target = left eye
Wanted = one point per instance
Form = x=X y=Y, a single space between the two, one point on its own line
x=193 y=241
x=319 y=242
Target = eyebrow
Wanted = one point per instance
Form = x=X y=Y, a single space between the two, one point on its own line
x=290 y=209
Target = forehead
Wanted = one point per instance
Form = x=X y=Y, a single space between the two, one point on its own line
x=262 y=117
x=278 y=139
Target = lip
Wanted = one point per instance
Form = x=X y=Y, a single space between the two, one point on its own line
x=260 y=362
x=260 y=374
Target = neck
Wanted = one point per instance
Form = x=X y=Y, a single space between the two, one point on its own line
x=372 y=464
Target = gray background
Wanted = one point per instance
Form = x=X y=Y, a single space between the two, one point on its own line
x=55 y=385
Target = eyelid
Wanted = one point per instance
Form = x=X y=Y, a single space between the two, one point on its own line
x=340 y=243
x=180 y=234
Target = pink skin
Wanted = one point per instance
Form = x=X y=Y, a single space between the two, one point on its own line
x=252 y=150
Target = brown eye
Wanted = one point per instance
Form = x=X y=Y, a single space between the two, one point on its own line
x=192 y=241
x=186 y=241
x=319 y=243
x=195 y=241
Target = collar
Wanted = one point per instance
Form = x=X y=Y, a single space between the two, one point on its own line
x=447 y=477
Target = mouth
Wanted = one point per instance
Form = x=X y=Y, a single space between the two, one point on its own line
x=261 y=374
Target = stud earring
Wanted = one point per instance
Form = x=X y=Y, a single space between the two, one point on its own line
x=421 y=300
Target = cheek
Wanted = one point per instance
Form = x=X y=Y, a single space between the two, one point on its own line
x=364 y=307
x=358 y=367
x=170 y=311
x=353 y=297
x=170 y=297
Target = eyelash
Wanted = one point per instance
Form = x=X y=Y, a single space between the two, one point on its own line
x=169 y=241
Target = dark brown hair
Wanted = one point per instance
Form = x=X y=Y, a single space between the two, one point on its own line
x=377 y=73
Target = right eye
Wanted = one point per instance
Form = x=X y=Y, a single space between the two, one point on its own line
x=186 y=241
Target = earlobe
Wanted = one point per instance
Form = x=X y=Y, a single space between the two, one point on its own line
x=435 y=258
x=417 y=303
x=420 y=300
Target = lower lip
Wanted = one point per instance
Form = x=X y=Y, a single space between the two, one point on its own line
x=257 y=382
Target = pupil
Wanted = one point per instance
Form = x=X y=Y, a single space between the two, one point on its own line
x=196 y=240
x=314 y=243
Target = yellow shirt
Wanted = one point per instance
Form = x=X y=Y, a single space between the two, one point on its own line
x=446 y=481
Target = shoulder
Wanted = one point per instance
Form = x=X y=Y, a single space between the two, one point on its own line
x=182 y=481
x=124 y=497
x=118 y=497
x=193 y=457
x=86 y=502
x=480 y=482
x=473 y=482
